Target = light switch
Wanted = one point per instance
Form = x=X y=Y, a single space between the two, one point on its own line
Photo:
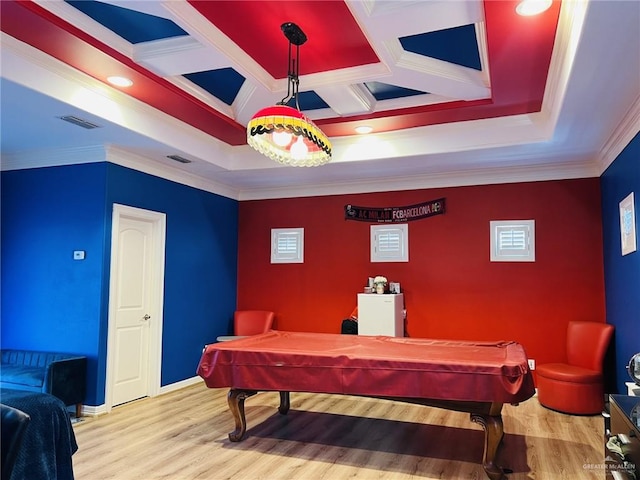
x=78 y=254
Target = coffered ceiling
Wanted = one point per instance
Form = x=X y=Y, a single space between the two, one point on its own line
x=456 y=92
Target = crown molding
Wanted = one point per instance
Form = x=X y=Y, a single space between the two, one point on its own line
x=624 y=133
x=149 y=166
x=482 y=176
x=116 y=155
x=27 y=66
x=51 y=157
x=570 y=25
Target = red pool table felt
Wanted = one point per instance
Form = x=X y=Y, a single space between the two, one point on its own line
x=370 y=366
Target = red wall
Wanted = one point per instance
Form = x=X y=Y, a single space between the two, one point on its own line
x=451 y=288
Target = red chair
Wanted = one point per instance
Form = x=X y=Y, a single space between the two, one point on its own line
x=250 y=322
x=577 y=386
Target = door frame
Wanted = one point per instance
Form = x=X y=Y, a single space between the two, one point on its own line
x=156 y=282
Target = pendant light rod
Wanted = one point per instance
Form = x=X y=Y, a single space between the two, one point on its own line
x=296 y=37
x=283 y=133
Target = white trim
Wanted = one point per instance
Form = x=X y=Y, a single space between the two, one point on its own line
x=53 y=157
x=520 y=247
x=621 y=137
x=157 y=301
x=188 y=382
x=435 y=179
x=155 y=167
x=399 y=255
x=85 y=23
x=93 y=411
x=296 y=256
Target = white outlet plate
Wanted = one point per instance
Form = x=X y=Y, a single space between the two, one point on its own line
x=532 y=364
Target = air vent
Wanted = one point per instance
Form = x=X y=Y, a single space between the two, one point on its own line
x=79 y=122
x=178 y=158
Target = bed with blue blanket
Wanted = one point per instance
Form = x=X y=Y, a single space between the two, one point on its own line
x=49 y=441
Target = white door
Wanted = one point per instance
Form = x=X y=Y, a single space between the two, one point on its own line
x=135 y=316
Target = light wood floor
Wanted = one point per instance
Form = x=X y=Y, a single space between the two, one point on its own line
x=183 y=435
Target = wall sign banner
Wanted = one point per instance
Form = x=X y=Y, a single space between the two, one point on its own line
x=394 y=214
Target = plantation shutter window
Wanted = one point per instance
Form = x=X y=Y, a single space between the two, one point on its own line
x=287 y=245
x=513 y=241
x=390 y=243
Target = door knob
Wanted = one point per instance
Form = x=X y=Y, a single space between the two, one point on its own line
x=146 y=317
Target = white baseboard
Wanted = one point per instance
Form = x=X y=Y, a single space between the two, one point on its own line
x=92 y=411
x=181 y=384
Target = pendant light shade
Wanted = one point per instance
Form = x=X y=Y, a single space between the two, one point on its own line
x=287 y=136
x=284 y=133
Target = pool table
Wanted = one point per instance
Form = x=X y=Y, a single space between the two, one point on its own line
x=473 y=377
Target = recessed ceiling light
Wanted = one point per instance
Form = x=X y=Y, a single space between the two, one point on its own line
x=527 y=8
x=119 y=81
x=364 y=129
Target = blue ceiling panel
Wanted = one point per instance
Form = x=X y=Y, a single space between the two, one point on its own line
x=384 y=91
x=457 y=45
x=224 y=83
x=135 y=27
x=309 y=101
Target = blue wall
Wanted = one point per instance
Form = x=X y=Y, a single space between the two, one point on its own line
x=622 y=273
x=51 y=302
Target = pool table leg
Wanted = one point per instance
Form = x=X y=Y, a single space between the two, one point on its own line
x=493 y=433
x=236 y=399
x=284 y=403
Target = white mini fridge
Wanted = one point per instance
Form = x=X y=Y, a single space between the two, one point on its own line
x=381 y=314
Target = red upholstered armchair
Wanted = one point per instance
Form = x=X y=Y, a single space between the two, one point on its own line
x=250 y=322
x=577 y=386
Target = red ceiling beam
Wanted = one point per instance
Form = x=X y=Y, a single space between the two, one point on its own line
x=519 y=50
x=30 y=23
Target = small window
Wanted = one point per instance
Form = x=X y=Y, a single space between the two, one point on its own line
x=390 y=243
x=513 y=241
x=287 y=245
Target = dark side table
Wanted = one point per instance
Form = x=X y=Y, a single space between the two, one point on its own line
x=624 y=423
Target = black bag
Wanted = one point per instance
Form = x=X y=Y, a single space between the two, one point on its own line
x=349 y=327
